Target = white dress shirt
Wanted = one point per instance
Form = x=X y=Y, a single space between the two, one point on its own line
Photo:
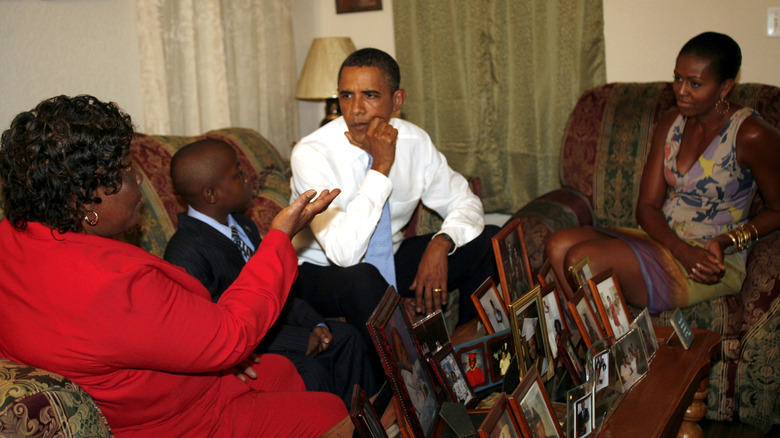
x=326 y=160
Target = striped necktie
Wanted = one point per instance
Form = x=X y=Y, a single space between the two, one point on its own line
x=246 y=252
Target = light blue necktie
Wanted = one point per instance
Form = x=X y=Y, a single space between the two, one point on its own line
x=380 y=247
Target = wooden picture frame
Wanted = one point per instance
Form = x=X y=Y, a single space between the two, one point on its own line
x=580 y=272
x=404 y=363
x=546 y=274
x=490 y=307
x=529 y=331
x=500 y=421
x=574 y=365
x=532 y=408
x=585 y=318
x=431 y=332
x=364 y=416
x=514 y=265
x=344 y=6
x=645 y=324
x=554 y=317
x=610 y=303
x=500 y=352
x=630 y=358
x=452 y=378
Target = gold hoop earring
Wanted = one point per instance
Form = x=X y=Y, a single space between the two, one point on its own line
x=722 y=111
x=92 y=222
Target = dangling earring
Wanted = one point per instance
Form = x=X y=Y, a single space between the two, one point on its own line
x=92 y=222
x=719 y=106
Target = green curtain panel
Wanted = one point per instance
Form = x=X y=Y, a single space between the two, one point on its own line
x=493 y=83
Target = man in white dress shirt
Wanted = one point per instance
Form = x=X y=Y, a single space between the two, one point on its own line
x=375 y=160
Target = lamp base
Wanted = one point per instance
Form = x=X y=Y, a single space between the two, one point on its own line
x=332 y=110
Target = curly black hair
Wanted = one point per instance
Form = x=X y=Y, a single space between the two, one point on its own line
x=54 y=157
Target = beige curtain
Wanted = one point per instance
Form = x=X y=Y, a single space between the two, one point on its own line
x=493 y=83
x=209 y=64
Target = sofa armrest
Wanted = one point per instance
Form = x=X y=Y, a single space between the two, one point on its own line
x=35 y=402
x=560 y=208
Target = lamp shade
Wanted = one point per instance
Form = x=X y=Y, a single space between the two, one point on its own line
x=319 y=78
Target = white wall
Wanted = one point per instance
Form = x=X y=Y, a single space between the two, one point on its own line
x=48 y=48
x=318 y=18
x=643 y=37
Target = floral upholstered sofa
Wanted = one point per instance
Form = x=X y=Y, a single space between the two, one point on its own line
x=604 y=148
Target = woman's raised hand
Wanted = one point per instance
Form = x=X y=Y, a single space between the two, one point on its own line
x=297 y=215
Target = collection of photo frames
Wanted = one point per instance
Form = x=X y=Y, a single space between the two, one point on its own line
x=533 y=324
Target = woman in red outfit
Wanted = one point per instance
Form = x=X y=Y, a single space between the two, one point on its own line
x=140 y=335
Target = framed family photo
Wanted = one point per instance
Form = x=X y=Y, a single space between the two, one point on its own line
x=500 y=421
x=585 y=319
x=553 y=318
x=583 y=416
x=500 y=351
x=364 y=416
x=581 y=272
x=490 y=307
x=610 y=303
x=533 y=409
x=529 y=331
x=630 y=358
x=645 y=325
x=431 y=332
x=514 y=266
x=404 y=363
x=452 y=377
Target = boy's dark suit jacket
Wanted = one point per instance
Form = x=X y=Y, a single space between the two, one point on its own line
x=215 y=260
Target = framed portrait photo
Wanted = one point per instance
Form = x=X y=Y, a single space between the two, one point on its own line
x=533 y=409
x=572 y=361
x=583 y=416
x=490 y=307
x=553 y=317
x=529 y=331
x=500 y=421
x=602 y=365
x=645 y=325
x=630 y=358
x=452 y=377
x=473 y=361
x=610 y=303
x=364 y=416
x=431 y=332
x=514 y=266
x=404 y=364
x=586 y=321
x=500 y=352
x=581 y=272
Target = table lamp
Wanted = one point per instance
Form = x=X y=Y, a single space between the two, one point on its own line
x=319 y=77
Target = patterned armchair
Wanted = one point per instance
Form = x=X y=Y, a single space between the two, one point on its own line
x=604 y=149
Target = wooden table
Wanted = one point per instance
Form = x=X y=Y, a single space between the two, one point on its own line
x=671 y=398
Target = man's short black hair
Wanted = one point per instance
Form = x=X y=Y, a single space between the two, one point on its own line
x=370 y=57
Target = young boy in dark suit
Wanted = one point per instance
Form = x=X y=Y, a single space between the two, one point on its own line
x=213 y=243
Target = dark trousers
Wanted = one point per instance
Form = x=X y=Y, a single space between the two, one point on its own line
x=337 y=369
x=354 y=292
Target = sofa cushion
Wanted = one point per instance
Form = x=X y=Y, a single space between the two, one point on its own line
x=38 y=403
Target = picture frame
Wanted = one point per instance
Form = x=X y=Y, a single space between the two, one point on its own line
x=610 y=303
x=529 y=331
x=404 y=364
x=345 y=6
x=473 y=360
x=533 y=409
x=546 y=274
x=581 y=271
x=553 y=317
x=682 y=328
x=500 y=422
x=583 y=416
x=451 y=376
x=645 y=324
x=431 y=332
x=364 y=416
x=572 y=362
x=585 y=318
x=500 y=352
x=630 y=358
x=490 y=307
x=602 y=365
x=514 y=265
